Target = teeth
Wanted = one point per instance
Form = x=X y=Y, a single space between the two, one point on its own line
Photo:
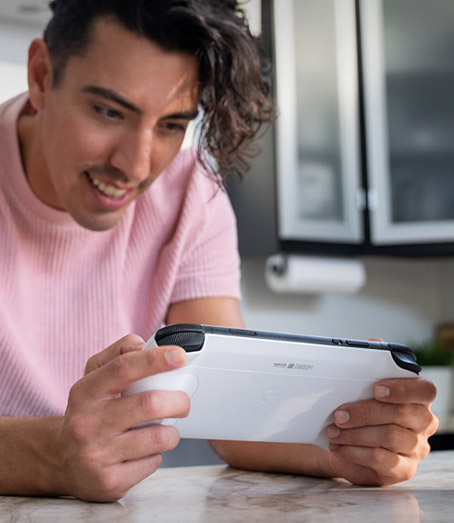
x=108 y=190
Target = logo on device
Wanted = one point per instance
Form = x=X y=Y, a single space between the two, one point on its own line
x=270 y=397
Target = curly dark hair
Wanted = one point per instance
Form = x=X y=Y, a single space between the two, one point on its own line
x=234 y=90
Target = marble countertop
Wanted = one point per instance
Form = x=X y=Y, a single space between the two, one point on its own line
x=219 y=493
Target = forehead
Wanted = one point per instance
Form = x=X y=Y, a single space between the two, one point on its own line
x=135 y=66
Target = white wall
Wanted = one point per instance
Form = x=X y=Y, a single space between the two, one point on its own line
x=402 y=301
x=447 y=293
x=14 y=42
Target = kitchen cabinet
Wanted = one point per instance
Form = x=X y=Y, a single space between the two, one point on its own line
x=317 y=133
x=364 y=142
x=408 y=66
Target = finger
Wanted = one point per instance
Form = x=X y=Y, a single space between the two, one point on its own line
x=357 y=474
x=137 y=456
x=372 y=413
x=118 y=374
x=115 y=481
x=390 y=437
x=405 y=390
x=371 y=466
x=130 y=473
x=129 y=411
x=144 y=442
x=128 y=343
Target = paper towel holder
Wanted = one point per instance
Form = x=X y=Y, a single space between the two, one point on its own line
x=307 y=274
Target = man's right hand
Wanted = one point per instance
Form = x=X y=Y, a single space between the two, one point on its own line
x=91 y=453
x=101 y=457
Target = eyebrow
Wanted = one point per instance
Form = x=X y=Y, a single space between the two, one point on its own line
x=111 y=95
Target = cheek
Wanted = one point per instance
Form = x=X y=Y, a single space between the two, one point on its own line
x=74 y=144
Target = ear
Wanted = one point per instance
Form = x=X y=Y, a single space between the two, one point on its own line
x=39 y=73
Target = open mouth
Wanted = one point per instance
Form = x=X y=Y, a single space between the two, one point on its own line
x=107 y=190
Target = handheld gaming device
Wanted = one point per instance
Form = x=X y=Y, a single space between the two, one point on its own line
x=267 y=386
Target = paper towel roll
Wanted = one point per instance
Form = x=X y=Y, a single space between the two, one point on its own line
x=314 y=275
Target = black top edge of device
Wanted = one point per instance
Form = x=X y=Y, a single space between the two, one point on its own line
x=191 y=337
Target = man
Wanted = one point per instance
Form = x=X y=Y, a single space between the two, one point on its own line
x=108 y=229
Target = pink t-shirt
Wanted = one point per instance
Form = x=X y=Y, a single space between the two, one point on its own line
x=67 y=292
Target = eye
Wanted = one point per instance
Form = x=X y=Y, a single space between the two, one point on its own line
x=107 y=112
x=174 y=127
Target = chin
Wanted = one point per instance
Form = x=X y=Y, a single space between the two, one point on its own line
x=97 y=224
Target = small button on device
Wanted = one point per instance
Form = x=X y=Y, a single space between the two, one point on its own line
x=242 y=332
x=336 y=341
x=357 y=343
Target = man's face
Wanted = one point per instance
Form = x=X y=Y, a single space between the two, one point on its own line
x=113 y=123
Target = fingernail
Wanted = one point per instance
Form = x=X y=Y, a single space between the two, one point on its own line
x=341 y=417
x=174 y=356
x=381 y=391
x=333 y=432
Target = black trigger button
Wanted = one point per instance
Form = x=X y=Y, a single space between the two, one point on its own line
x=189 y=341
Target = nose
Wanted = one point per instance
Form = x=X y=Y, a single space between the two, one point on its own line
x=133 y=155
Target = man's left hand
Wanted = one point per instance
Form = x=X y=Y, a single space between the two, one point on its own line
x=382 y=440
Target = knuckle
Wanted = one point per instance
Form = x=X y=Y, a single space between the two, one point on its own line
x=363 y=413
x=431 y=389
x=90 y=365
x=108 y=484
x=378 y=456
x=408 y=472
x=375 y=455
x=150 y=404
x=80 y=429
x=350 y=436
x=150 y=357
x=165 y=438
x=130 y=340
x=90 y=458
x=120 y=368
x=425 y=449
x=434 y=424
x=160 y=437
x=393 y=436
x=76 y=393
x=403 y=411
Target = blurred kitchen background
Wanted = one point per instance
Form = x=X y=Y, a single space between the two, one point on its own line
x=357 y=172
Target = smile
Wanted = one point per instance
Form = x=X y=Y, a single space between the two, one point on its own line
x=107 y=190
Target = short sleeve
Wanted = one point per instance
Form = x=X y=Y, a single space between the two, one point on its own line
x=210 y=264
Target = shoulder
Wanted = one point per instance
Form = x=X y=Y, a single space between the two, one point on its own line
x=184 y=184
x=9 y=147
x=184 y=206
x=9 y=113
x=186 y=173
x=10 y=109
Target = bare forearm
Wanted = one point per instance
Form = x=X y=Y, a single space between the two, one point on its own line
x=29 y=458
x=307 y=460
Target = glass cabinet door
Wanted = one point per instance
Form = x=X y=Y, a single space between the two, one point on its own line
x=408 y=65
x=319 y=195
